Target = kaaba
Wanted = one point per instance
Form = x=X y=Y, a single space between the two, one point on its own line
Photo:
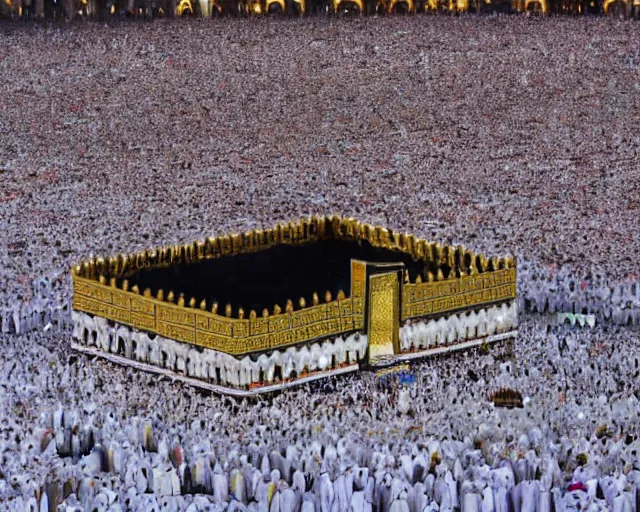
x=269 y=309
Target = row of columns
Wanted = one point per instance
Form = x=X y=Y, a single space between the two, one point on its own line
x=69 y=9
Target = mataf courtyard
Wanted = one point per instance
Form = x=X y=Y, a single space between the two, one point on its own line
x=514 y=137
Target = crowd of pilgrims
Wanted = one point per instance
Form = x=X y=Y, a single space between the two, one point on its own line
x=78 y=434
x=357 y=443
x=434 y=442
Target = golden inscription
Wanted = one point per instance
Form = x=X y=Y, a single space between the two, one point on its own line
x=205 y=329
x=146 y=322
x=279 y=339
x=333 y=326
x=358 y=276
x=255 y=343
x=347 y=324
x=309 y=316
x=121 y=299
x=279 y=323
x=239 y=336
x=438 y=297
x=299 y=334
x=202 y=322
x=383 y=330
x=382 y=317
x=220 y=325
x=316 y=331
x=346 y=308
x=241 y=329
x=333 y=310
x=95 y=291
x=176 y=332
x=217 y=342
x=258 y=326
x=143 y=306
x=101 y=309
x=425 y=291
x=176 y=315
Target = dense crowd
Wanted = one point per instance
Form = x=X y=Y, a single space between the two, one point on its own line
x=100 y=437
x=508 y=135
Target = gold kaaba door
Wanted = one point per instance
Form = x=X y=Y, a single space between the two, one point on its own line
x=383 y=316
